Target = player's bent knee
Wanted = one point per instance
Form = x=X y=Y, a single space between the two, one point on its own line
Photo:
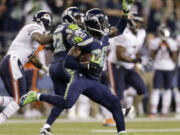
x=69 y=104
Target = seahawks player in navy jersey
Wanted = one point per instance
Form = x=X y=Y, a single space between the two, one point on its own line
x=86 y=82
x=72 y=18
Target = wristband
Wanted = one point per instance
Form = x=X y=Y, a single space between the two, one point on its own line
x=44 y=68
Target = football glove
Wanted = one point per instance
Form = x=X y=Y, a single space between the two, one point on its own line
x=127 y=5
x=94 y=67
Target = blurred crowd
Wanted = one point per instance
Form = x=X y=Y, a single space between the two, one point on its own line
x=16 y=13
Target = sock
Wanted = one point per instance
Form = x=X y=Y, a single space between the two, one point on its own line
x=177 y=100
x=128 y=101
x=55 y=112
x=155 y=100
x=46 y=125
x=4 y=100
x=166 y=101
x=9 y=111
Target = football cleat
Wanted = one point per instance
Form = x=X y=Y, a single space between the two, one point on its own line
x=30 y=97
x=109 y=122
x=122 y=133
x=45 y=131
x=127 y=5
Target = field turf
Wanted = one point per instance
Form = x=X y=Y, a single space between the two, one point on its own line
x=141 y=126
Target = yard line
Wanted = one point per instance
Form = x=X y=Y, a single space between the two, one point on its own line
x=137 y=130
x=89 y=120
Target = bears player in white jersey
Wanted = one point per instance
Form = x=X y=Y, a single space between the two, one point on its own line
x=177 y=92
x=21 y=51
x=164 y=52
x=123 y=56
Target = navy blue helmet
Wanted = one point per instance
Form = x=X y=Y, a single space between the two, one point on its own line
x=73 y=15
x=44 y=18
x=97 y=21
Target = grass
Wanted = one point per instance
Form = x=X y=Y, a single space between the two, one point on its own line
x=142 y=126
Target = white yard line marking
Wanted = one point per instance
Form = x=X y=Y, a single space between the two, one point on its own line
x=89 y=120
x=137 y=130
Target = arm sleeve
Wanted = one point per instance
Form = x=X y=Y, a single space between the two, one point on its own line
x=121 y=25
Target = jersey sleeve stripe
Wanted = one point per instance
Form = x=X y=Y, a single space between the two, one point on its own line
x=86 y=42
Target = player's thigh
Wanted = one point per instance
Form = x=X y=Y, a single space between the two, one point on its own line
x=136 y=81
x=168 y=77
x=77 y=84
x=15 y=88
x=58 y=72
x=59 y=87
x=158 y=79
x=101 y=95
x=29 y=76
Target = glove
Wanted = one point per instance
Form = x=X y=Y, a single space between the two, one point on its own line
x=137 y=60
x=127 y=5
x=94 y=67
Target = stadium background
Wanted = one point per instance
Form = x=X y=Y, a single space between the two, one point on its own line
x=15 y=13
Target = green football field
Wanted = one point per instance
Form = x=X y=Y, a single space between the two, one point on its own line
x=141 y=126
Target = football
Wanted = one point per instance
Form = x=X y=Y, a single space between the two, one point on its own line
x=86 y=57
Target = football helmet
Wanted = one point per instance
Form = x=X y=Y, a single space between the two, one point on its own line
x=73 y=15
x=163 y=32
x=44 y=18
x=97 y=21
x=133 y=23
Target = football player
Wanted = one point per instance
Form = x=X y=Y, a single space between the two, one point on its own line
x=71 y=23
x=124 y=54
x=21 y=51
x=164 y=52
x=177 y=92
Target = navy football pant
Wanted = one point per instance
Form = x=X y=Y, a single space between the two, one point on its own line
x=94 y=90
x=60 y=78
x=120 y=78
x=163 y=79
x=178 y=77
x=15 y=88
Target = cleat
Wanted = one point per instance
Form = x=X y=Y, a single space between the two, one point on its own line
x=30 y=97
x=128 y=111
x=152 y=116
x=109 y=122
x=45 y=131
x=164 y=115
x=123 y=133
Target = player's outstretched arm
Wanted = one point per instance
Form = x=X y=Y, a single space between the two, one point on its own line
x=121 y=25
x=42 y=38
x=38 y=64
